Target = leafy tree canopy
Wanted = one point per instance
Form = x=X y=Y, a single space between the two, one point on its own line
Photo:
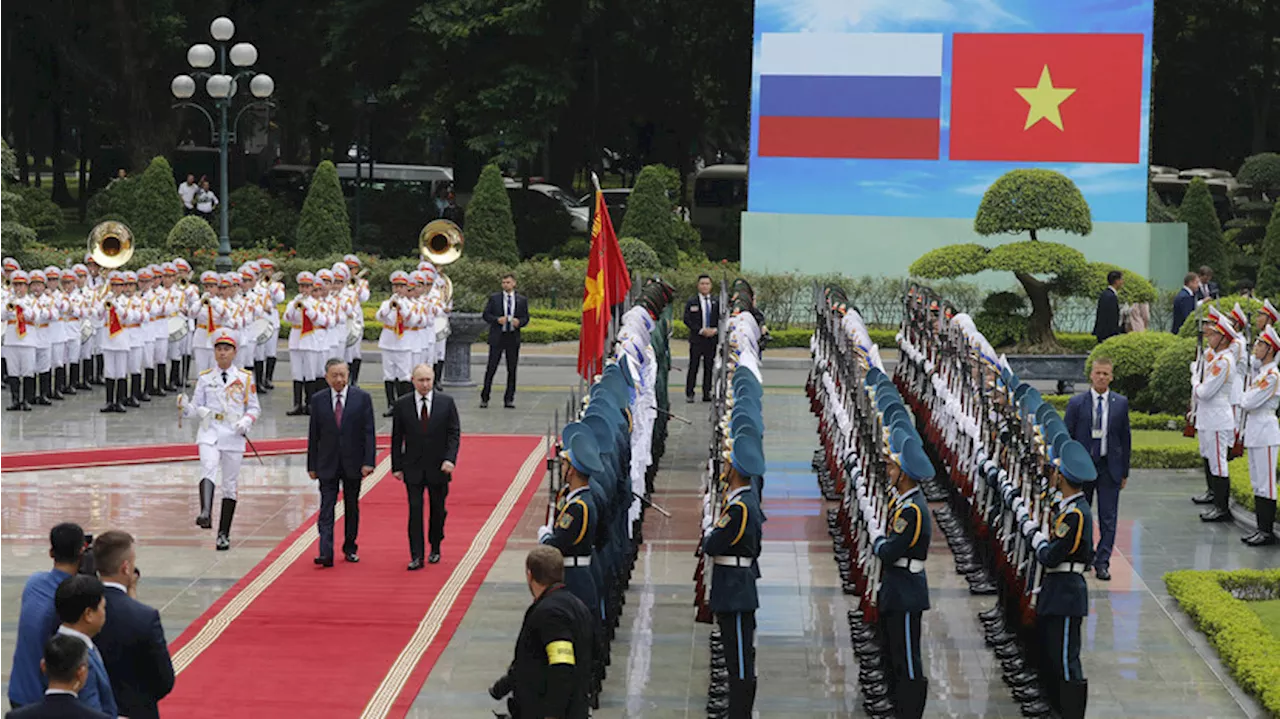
x=1261 y=171
x=1033 y=200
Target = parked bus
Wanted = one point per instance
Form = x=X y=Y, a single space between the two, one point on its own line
x=719 y=192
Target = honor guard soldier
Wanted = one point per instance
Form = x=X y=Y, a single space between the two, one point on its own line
x=226 y=402
x=574 y=531
x=1065 y=552
x=21 y=315
x=1211 y=386
x=1262 y=435
x=360 y=290
x=733 y=543
x=904 y=588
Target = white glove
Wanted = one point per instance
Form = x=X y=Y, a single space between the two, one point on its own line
x=706 y=503
x=706 y=523
x=1039 y=539
x=1020 y=508
x=203 y=412
x=1021 y=513
x=865 y=505
x=875 y=533
x=1029 y=526
x=543 y=532
x=242 y=425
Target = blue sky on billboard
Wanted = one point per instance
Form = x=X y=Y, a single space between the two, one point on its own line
x=939 y=188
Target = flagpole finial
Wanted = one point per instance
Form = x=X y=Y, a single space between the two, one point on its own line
x=595 y=181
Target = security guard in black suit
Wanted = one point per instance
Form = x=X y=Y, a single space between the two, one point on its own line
x=1066 y=552
x=574 y=530
x=733 y=543
x=904 y=588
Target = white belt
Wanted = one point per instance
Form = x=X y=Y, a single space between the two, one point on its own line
x=734 y=561
x=1075 y=567
x=577 y=561
x=915 y=566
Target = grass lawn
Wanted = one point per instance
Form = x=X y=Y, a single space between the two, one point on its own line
x=1269 y=613
x=1162 y=438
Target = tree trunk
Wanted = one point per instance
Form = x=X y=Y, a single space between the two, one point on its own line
x=1040 y=324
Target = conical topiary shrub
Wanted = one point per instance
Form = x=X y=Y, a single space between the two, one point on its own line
x=323 y=226
x=491 y=231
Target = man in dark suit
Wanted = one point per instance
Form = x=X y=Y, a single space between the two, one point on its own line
x=425 y=435
x=66 y=664
x=1099 y=420
x=1209 y=289
x=702 y=317
x=132 y=641
x=1185 y=302
x=341 y=449
x=1106 y=323
x=506 y=312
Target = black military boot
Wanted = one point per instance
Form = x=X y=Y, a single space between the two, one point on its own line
x=157 y=382
x=73 y=380
x=205 y=519
x=175 y=377
x=123 y=398
x=98 y=360
x=62 y=377
x=15 y=394
x=51 y=386
x=1221 y=496
x=139 y=388
x=258 y=375
x=1266 y=511
x=28 y=393
x=1207 y=497
x=224 y=524
x=42 y=392
x=110 y=406
x=390 y=389
x=355 y=371
x=298 y=409
x=270 y=377
x=85 y=374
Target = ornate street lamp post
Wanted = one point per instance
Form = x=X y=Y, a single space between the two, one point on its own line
x=222 y=87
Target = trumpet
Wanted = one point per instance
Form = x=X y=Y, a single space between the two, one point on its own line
x=355 y=279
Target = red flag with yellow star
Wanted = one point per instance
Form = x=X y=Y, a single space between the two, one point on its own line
x=607 y=284
x=1046 y=97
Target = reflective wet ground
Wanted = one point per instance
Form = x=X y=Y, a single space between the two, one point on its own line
x=1140 y=654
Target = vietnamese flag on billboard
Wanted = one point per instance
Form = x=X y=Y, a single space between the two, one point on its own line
x=1046 y=97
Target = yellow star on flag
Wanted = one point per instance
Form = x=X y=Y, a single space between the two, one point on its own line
x=1044 y=100
x=595 y=293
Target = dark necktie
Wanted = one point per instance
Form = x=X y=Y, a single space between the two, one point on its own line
x=224 y=376
x=1097 y=426
x=337 y=412
x=510 y=312
x=706 y=313
x=425 y=416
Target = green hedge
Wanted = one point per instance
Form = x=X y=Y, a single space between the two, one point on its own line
x=1134 y=355
x=1165 y=457
x=541 y=331
x=1244 y=644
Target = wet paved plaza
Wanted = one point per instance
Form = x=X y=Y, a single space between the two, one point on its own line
x=1139 y=652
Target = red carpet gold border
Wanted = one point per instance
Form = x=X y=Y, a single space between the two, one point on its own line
x=393 y=683
x=219 y=623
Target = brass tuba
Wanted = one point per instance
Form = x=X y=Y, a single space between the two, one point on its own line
x=111 y=244
x=440 y=242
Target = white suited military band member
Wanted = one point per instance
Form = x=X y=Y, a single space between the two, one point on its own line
x=226 y=403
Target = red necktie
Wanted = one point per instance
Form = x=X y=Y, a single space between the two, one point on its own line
x=337 y=412
x=425 y=416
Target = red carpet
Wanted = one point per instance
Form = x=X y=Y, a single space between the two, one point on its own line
x=143 y=454
x=292 y=639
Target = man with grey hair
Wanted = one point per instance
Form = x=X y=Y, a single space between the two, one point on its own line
x=341 y=449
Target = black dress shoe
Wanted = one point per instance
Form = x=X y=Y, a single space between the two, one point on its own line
x=1021 y=679
x=984 y=588
x=351 y=557
x=434 y=557
x=1027 y=693
x=1035 y=709
x=1008 y=651
x=324 y=562
x=688 y=399
x=991 y=613
x=508 y=405
x=416 y=564
x=1000 y=639
x=1262 y=539
x=1102 y=573
x=1206 y=498
x=1215 y=515
x=484 y=404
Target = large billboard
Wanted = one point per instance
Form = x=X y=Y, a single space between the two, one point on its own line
x=911 y=108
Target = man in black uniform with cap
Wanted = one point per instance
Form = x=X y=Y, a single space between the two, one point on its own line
x=550 y=675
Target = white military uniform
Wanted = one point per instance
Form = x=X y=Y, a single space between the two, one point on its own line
x=1215 y=418
x=398 y=336
x=308 y=318
x=1262 y=430
x=226 y=401
x=20 y=334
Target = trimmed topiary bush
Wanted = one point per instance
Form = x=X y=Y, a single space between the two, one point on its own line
x=1157 y=211
x=117 y=200
x=649 y=215
x=688 y=238
x=156 y=206
x=639 y=256
x=189 y=236
x=38 y=211
x=1213 y=600
x=1269 y=266
x=1261 y=172
x=1205 y=244
x=490 y=230
x=1002 y=320
x=1136 y=288
x=1170 y=383
x=1133 y=355
x=323 y=226
x=256 y=215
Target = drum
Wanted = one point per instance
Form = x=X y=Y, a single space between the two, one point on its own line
x=178 y=328
x=261 y=331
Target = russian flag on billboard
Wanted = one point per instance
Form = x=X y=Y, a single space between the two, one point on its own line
x=850 y=95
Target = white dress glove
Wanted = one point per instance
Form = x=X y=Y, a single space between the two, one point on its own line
x=875 y=533
x=706 y=523
x=1029 y=526
x=1039 y=539
x=242 y=425
x=543 y=532
x=1021 y=514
